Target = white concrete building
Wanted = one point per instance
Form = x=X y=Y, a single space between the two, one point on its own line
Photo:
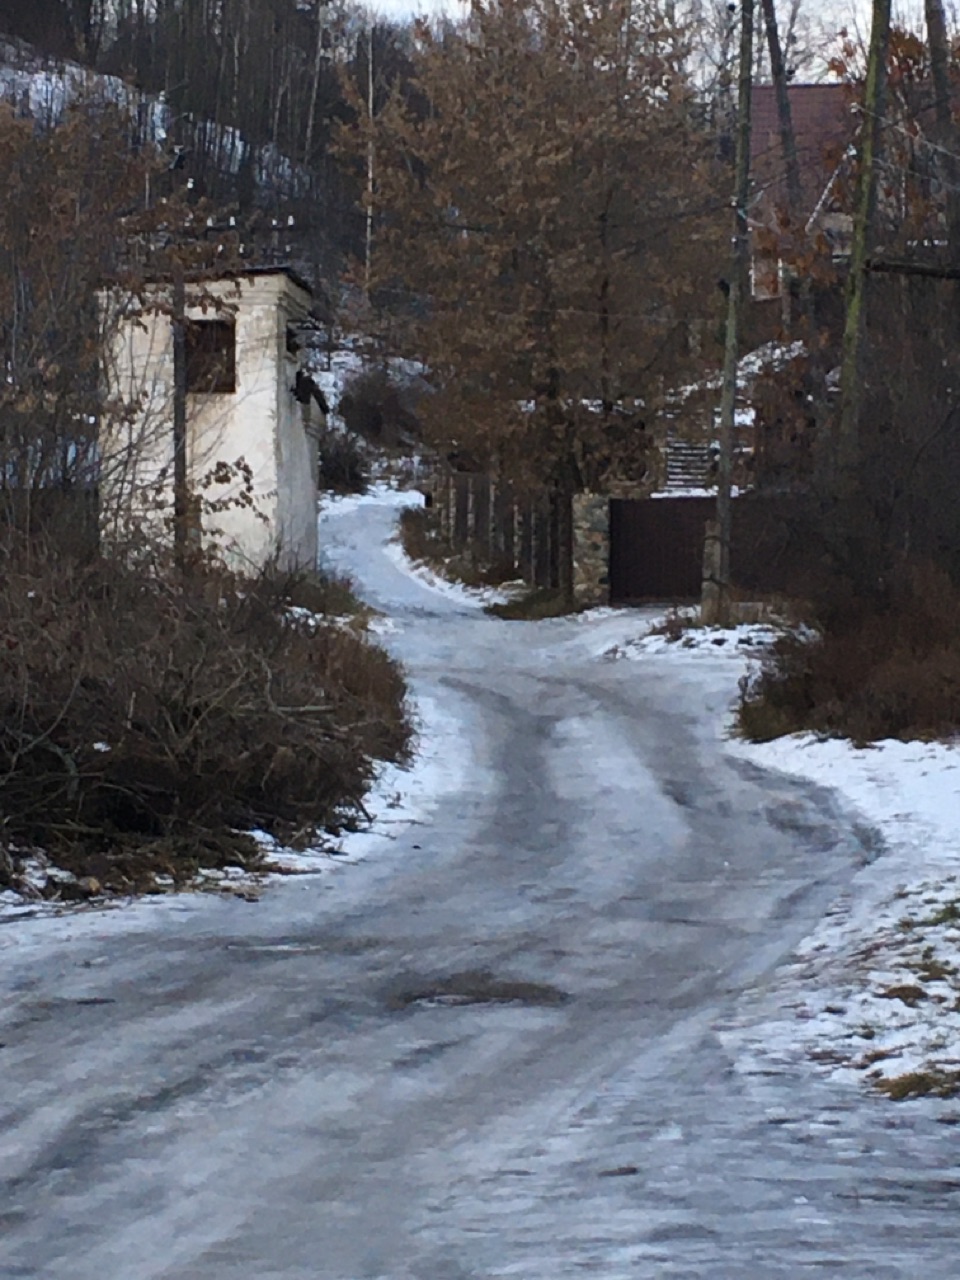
x=252 y=423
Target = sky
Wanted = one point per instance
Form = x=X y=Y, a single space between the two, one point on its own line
x=830 y=16
x=835 y=13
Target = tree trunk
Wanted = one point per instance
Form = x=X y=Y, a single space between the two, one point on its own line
x=946 y=134
x=314 y=87
x=788 y=141
x=847 y=444
x=718 y=601
x=564 y=526
x=181 y=496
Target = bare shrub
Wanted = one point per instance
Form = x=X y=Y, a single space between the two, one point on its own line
x=888 y=669
x=321 y=593
x=344 y=463
x=147 y=722
x=379 y=408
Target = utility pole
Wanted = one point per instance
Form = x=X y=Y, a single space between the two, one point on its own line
x=715 y=605
x=181 y=496
x=369 y=236
x=847 y=444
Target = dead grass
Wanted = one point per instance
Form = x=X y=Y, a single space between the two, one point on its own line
x=932 y=969
x=949 y=913
x=887 y=669
x=906 y=993
x=532 y=606
x=933 y=1082
x=775 y=611
x=423 y=541
x=324 y=594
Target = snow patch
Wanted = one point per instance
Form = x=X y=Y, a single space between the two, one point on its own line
x=873 y=994
x=680 y=633
x=378 y=495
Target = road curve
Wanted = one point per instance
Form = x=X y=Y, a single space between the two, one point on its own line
x=499 y=1047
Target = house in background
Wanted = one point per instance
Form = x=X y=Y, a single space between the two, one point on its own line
x=253 y=418
x=824 y=127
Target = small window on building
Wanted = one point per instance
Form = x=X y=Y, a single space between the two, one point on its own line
x=211 y=355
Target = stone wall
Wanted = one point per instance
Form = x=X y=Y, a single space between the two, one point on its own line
x=591 y=548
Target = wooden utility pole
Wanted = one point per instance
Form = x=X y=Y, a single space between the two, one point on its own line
x=368 y=248
x=181 y=495
x=715 y=605
x=846 y=449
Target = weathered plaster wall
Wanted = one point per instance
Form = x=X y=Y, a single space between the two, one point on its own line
x=241 y=425
x=260 y=423
x=296 y=446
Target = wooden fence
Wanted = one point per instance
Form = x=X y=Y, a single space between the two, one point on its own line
x=486 y=519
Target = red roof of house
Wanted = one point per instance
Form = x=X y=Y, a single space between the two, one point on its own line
x=823 y=125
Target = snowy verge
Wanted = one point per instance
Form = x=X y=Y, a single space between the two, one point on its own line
x=749 y=639
x=873 y=994
x=386 y=494
x=381 y=494
x=678 y=632
x=399 y=799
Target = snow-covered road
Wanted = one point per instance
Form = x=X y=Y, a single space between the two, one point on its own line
x=503 y=1045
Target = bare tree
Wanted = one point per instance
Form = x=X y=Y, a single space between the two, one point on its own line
x=546 y=217
x=846 y=451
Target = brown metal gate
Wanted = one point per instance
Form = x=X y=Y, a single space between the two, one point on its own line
x=656 y=546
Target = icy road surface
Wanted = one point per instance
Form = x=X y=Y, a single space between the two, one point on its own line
x=503 y=1045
